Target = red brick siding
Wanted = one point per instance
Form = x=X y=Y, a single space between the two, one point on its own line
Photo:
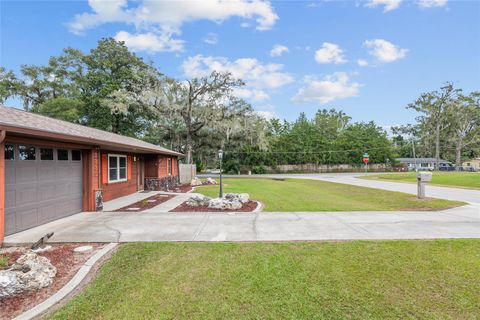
x=119 y=189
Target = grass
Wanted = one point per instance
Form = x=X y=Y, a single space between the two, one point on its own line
x=3 y=261
x=314 y=195
x=301 y=280
x=450 y=179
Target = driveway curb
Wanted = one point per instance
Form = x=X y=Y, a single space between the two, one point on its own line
x=69 y=287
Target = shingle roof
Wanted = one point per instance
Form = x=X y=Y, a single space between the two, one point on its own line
x=13 y=119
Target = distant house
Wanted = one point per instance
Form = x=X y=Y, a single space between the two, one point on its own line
x=473 y=164
x=425 y=164
x=51 y=169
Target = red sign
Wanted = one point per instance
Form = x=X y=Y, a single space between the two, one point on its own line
x=365 y=159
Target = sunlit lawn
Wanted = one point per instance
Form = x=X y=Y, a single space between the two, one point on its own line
x=452 y=179
x=315 y=280
x=314 y=195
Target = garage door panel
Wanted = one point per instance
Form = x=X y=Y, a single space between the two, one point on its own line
x=26 y=174
x=47 y=213
x=9 y=199
x=38 y=192
x=26 y=196
x=46 y=173
x=26 y=218
x=10 y=174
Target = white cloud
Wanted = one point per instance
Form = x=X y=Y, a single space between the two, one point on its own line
x=388 y=5
x=332 y=87
x=330 y=53
x=278 y=50
x=385 y=51
x=258 y=77
x=170 y=15
x=432 y=3
x=362 y=62
x=211 y=38
x=150 y=42
x=164 y=18
x=267 y=115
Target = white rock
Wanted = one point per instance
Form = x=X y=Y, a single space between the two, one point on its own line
x=46 y=248
x=9 y=284
x=83 y=249
x=196 y=182
x=30 y=272
x=198 y=200
x=242 y=197
x=211 y=181
x=224 y=204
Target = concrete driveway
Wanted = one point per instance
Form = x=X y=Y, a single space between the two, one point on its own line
x=461 y=222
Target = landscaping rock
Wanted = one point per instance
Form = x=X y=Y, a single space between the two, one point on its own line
x=242 y=197
x=211 y=181
x=83 y=249
x=198 y=200
x=224 y=204
x=196 y=182
x=30 y=272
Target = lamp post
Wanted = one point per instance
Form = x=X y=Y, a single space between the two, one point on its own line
x=220 y=157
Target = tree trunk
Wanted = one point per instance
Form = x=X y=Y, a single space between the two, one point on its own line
x=458 y=154
x=437 y=146
x=189 y=147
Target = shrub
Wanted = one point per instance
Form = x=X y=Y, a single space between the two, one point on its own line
x=259 y=169
x=231 y=166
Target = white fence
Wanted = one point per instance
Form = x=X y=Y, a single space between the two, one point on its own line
x=187 y=172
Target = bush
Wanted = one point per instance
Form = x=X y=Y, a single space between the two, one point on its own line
x=259 y=169
x=200 y=166
x=231 y=166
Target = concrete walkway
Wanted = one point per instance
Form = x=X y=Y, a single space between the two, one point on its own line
x=463 y=222
x=171 y=204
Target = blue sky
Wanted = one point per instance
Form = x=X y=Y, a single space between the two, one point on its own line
x=368 y=58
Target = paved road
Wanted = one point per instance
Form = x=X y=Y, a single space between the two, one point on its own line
x=462 y=222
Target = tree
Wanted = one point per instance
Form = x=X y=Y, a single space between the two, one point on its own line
x=434 y=107
x=67 y=109
x=199 y=102
x=465 y=117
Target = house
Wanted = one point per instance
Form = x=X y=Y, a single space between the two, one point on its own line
x=473 y=164
x=51 y=169
x=425 y=164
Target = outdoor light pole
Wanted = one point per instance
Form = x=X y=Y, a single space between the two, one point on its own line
x=220 y=157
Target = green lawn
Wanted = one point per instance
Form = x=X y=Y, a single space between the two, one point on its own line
x=452 y=179
x=314 y=195
x=301 y=280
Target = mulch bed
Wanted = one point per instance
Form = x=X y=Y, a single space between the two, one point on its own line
x=247 y=207
x=146 y=203
x=62 y=257
x=183 y=189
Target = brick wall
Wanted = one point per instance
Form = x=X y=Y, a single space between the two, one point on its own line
x=119 y=189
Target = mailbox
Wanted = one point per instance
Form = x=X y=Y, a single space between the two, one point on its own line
x=424 y=176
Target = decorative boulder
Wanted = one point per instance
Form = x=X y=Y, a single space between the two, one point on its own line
x=242 y=197
x=211 y=181
x=198 y=200
x=196 y=182
x=224 y=204
x=30 y=272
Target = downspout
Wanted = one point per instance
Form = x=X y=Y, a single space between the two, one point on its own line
x=3 y=134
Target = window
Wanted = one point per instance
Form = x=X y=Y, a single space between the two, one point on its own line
x=62 y=155
x=46 y=154
x=117 y=168
x=169 y=167
x=9 y=152
x=26 y=153
x=76 y=155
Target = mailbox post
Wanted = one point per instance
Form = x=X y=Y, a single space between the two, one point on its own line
x=422 y=179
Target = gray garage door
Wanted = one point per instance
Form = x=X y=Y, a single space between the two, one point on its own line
x=41 y=184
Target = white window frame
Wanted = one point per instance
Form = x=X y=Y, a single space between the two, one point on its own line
x=118 y=156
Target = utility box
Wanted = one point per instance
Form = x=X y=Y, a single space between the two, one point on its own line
x=424 y=176
x=422 y=179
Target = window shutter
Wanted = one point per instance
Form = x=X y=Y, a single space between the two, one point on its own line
x=104 y=169
x=129 y=168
